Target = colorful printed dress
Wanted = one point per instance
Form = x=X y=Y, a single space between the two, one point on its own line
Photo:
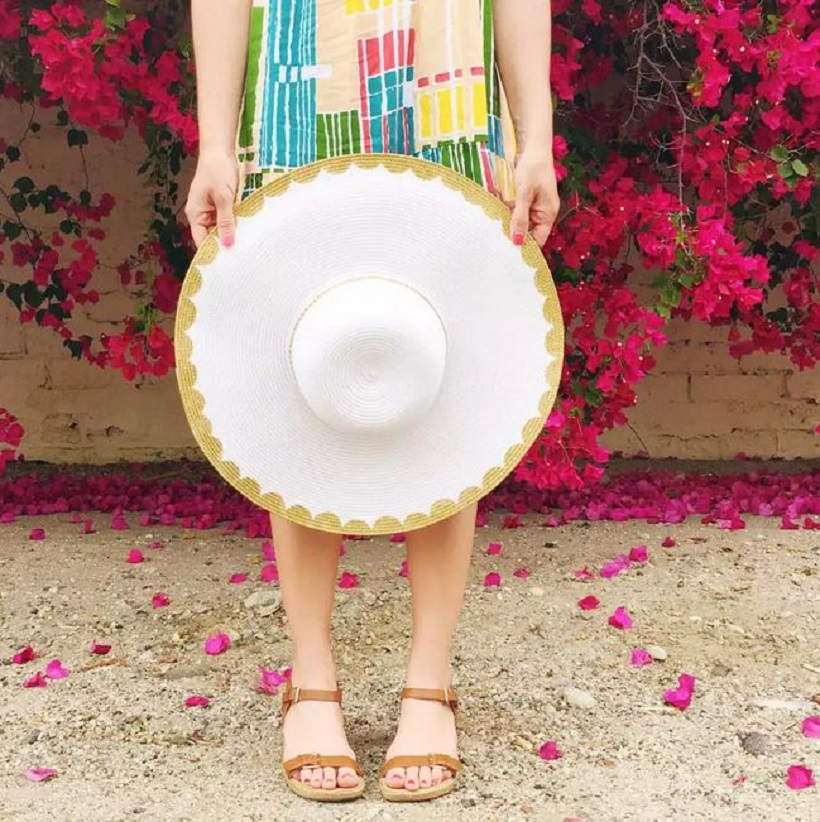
x=332 y=77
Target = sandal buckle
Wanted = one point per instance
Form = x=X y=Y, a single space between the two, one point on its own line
x=295 y=698
x=447 y=696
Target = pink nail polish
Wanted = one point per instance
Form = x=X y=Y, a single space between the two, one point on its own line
x=227 y=242
x=518 y=238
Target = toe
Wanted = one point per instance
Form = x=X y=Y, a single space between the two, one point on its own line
x=316 y=777
x=306 y=776
x=328 y=778
x=424 y=776
x=395 y=777
x=348 y=778
x=437 y=775
x=411 y=781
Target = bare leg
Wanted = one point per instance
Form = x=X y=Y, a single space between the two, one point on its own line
x=438 y=561
x=308 y=561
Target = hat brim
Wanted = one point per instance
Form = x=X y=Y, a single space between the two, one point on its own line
x=245 y=411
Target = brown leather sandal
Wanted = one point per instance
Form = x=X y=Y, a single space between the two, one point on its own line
x=290 y=696
x=449 y=697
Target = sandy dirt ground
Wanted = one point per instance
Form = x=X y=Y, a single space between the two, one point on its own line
x=738 y=610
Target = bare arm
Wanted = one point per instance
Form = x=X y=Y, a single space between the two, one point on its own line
x=523 y=35
x=523 y=47
x=220 y=32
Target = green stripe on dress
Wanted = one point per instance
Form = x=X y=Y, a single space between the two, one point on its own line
x=255 y=39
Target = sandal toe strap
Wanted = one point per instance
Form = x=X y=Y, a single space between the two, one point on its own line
x=419 y=760
x=313 y=760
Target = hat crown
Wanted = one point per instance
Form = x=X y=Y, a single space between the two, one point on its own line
x=368 y=355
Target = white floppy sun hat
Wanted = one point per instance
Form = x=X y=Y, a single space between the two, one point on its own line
x=374 y=353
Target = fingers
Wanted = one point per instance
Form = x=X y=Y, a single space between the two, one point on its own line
x=520 y=220
x=225 y=220
x=542 y=232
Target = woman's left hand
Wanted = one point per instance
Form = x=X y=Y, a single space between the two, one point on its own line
x=536 y=196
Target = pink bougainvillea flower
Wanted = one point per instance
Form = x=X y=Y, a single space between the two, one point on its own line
x=398 y=538
x=197 y=701
x=23 y=656
x=583 y=573
x=613 y=568
x=38 y=680
x=640 y=656
x=589 y=603
x=811 y=727
x=40 y=774
x=620 y=619
x=521 y=573
x=55 y=670
x=156 y=545
x=268 y=551
x=799 y=777
x=494 y=548
x=550 y=750
x=237 y=578
x=404 y=570
x=638 y=554
x=492 y=580
x=681 y=696
x=269 y=680
x=97 y=648
x=269 y=573
x=348 y=580
x=37 y=533
x=513 y=521
x=669 y=543
x=119 y=523
x=160 y=600
x=88 y=527
x=135 y=556
x=217 y=644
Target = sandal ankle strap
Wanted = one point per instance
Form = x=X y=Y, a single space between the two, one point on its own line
x=446 y=695
x=293 y=694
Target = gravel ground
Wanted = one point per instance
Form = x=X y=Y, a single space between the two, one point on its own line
x=738 y=610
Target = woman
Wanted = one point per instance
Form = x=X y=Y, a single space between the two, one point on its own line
x=286 y=82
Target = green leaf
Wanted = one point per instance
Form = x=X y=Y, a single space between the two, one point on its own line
x=24 y=184
x=18 y=202
x=13 y=153
x=77 y=137
x=12 y=230
x=800 y=167
x=779 y=154
x=15 y=293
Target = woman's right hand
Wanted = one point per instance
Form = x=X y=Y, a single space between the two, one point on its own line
x=212 y=196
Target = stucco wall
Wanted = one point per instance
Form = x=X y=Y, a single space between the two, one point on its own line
x=700 y=403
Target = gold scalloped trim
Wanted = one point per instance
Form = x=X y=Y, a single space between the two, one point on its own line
x=194 y=403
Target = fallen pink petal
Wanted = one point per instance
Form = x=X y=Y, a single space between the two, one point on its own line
x=348 y=580
x=398 y=538
x=512 y=521
x=404 y=570
x=583 y=573
x=217 y=644
x=638 y=554
x=98 y=649
x=38 y=680
x=799 y=777
x=681 y=696
x=494 y=548
x=620 y=619
x=160 y=600
x=811 y=727
x=589 y=603
x=268 y=551
x=492 y=580
x=23 y=656
x=135 y=556
x=669 y=543
x=37 y=533
x=550 y=750
x=55 y=670
x=197 y=701
x=236 y=579
x=270 y=679
x=40 y=774
x=269 y=573
x=640 y=656
x=119 y=523
x=521 y=573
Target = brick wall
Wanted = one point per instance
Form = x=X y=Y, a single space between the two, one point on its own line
x=699 y=403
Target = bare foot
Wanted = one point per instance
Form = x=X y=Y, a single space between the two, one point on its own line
x=424 y=727
x=318 y=727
